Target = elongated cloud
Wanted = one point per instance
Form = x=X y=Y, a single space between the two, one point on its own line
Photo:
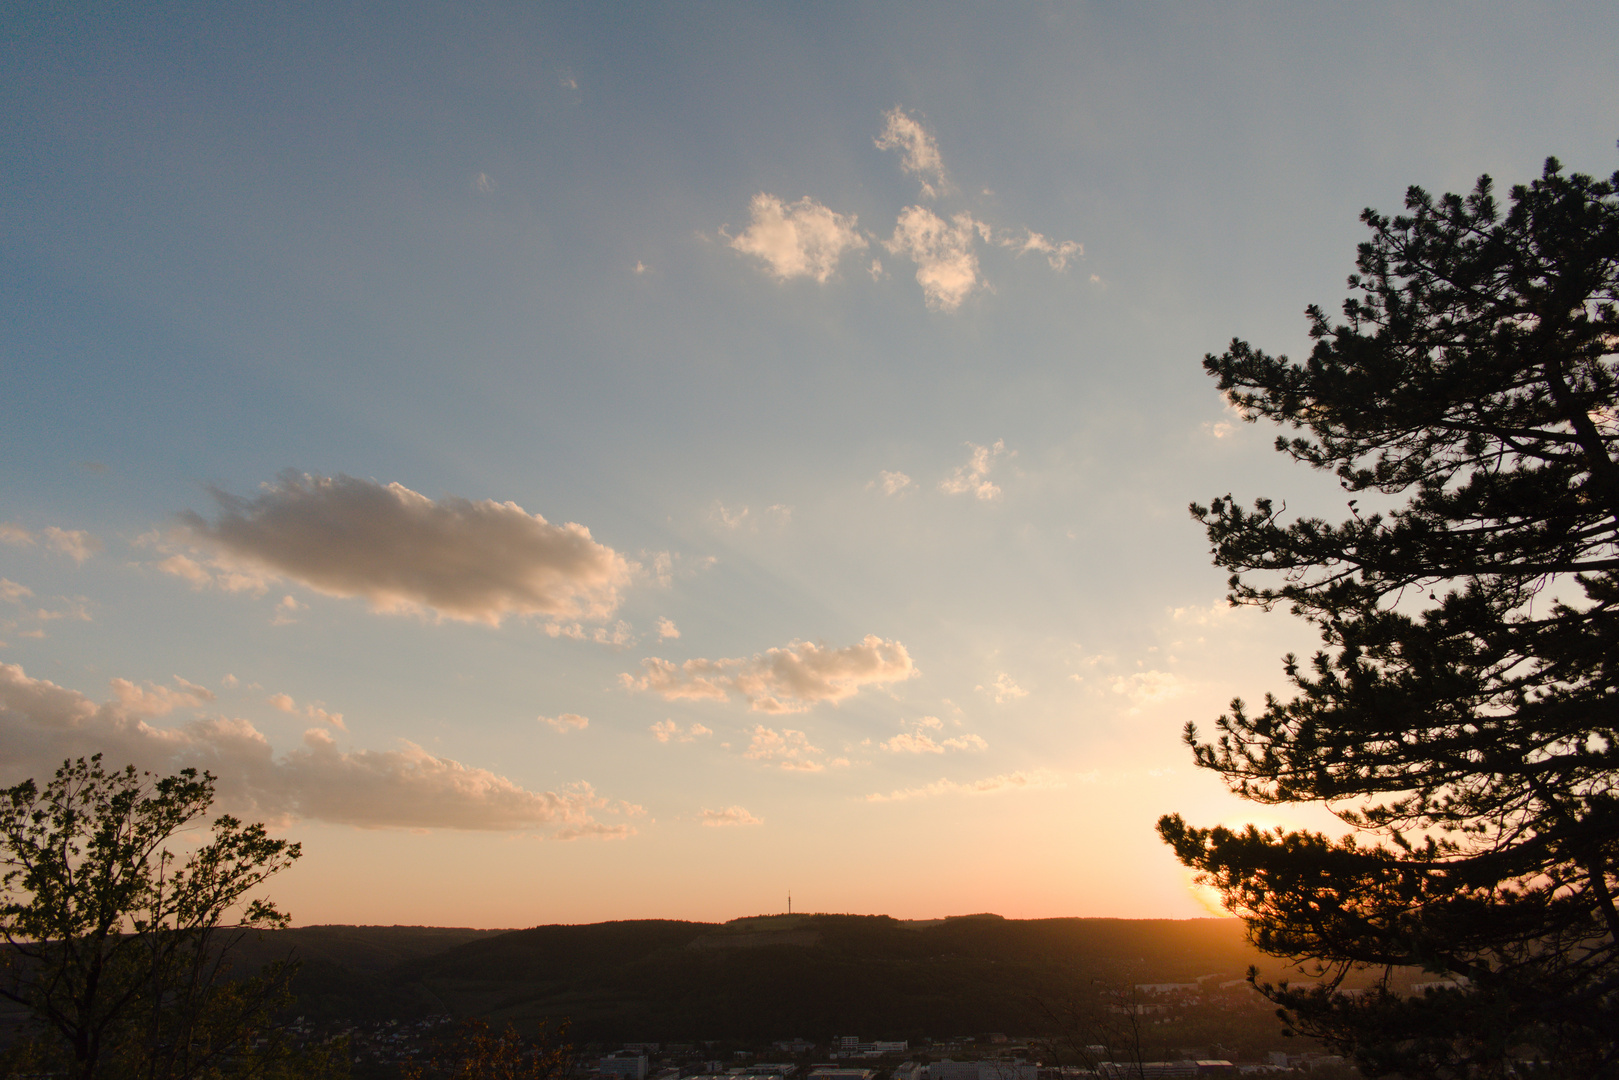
x=944 y=252
x=920 y=739
x=566 y=722
x=919 y=153
x=76 y=544
x=791 y=679
x=42 y=723
x=669 y=731
x=801 y=239
x=462 y=559
x=989 y=785
x=731 y=815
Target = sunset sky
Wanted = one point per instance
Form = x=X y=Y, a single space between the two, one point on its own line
x=577 y=462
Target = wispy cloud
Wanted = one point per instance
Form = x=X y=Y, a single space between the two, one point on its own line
x=731 y=815
x=892 y=483
x=790 y=679
x=566 y=722
x=667 y=630
x=920 y=739
x=458 y=558
x=919 y=152
x=800 y=239
x=1148 y=687
x=76 y=544
x=314 y=710
x=787 y=748
x=973 y=477
x=1032 y=780
x=42 y=723
x=669 y=731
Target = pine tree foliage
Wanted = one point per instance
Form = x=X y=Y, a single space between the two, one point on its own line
x=1461 y=716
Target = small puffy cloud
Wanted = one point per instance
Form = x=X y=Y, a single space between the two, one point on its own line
x=154 y=700
x=287 y=610
x=462 y=559
x=892 y=483
x=973 y=477
x=566 y=722
x=920 y=740
x=1006 y=690
x=76 y=544
x=13 y=593
x=919 y=153
x=669 y=731
x=1013 y=781
x=787 y=748
x=801 y=239
x=1148 y=687
x=1218 y=429
x=315 y=712
x=944 y=253
x=42 y=723
x=667 y=629
x=791 y=679
x=1057 y=253
x=731 y=815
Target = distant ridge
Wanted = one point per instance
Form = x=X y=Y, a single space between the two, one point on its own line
x=762 y=977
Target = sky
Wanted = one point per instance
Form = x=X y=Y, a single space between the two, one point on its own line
x=562 y=463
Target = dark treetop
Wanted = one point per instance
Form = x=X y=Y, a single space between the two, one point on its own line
x=1460 y=716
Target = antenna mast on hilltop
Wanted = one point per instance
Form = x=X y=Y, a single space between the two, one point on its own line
x=789 y=901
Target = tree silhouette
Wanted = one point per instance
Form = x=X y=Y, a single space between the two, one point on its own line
x=1461 y=715
x=117 y=945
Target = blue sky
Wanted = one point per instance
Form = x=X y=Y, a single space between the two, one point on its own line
x=565 y=464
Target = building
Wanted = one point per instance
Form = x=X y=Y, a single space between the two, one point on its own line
x=623 y=1066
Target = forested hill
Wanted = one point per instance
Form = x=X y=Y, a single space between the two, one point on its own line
x=768 y=977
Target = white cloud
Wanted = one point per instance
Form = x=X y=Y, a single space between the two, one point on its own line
x=783 y=680
x=1007 y=690
x=566 y=722
x=919 y=153
x=973 y=477
x=1148 y=687
x=946 y=262
x=788 y=748
x=314 y=711
x=76 y=544
x=13 y=593
x=462 y=559
x=669 y=731
x=667 y=629
x=1057 y=253
x=42 y=723
x=1013 y=781
x=919 y=741
x=892 y=483
x=731 y=815
x=155 y=700
x=286 y=610
x=801 y=239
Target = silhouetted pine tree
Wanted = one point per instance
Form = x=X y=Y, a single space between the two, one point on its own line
x=1461 y=715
